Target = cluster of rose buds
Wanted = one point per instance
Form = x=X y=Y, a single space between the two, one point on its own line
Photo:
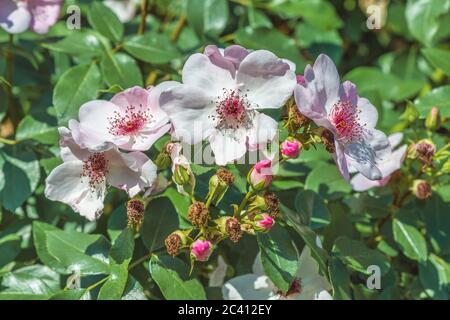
x=256 y=213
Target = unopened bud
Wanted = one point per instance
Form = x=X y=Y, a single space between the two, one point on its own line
x=433 y=120
x=263 y=222
x=181 y=175
x=198 y=214
x=218 y=185
x=201 y=250
x=260 y=176
x=290 y=149
x=422 y=189
x=163 y=161
x=135 y=213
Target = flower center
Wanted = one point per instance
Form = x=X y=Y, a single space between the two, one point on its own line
x=233 y=111
x=295 y=288
x=345 y=118
x=95 y=168
x=128 y=123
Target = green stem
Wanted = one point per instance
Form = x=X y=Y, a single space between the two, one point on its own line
x=243 y=204
x=144 y=9
x=7 y=141
x=98 y=283
x=139 y=261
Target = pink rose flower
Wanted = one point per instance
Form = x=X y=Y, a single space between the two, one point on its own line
x=261 y=174
x=290 y=149
x=263 y=222
x=201 y=250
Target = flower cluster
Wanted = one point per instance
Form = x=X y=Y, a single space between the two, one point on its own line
x=220 y=100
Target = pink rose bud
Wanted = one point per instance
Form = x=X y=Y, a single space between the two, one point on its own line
x=201 y=250
x=290 y=149
x=260 y=176
x=301 y=80
x=263 y=222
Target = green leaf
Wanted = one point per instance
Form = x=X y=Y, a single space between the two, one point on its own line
x=152 y=48
x=105 y=21
x=435 y=277
x=410 y=240
x=76 y=86
x=80 y=43
x=122 y=250
x=439 y=97
x=69 y=251
x=207 y=16
x=326 y=179
x=117 y=221
x=310 y=239
x=437 y=222
x=279 y=257
x=172 y=277
x=272 y=40
x=160 y=220
x=319 y=13
x=73 y=294
x=358 y=257
x=9 y=248
x=31 y=128
x=120 y=69
x=37 y=280
x=21 y=175
x=439 y=58
x=340 y=279
x=133 y=290
x=422 y=17
x=312 y=209
x=114 y=286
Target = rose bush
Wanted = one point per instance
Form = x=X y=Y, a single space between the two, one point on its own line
x=240 y=149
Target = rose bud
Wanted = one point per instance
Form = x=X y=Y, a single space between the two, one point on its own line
x=263 y=222
x=290 y=149
x=422 y=189
x=201 y=250
x=433 y=120
x=260 y=176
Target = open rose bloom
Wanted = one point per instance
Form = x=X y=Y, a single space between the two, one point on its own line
x=132 y=120
x=221 y=97
x=350 y=118
x=17 y=16
x=81 y=181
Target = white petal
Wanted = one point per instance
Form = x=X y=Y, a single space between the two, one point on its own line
x=368 y=114
x=266 y=80
x=228 y=145
x=395 y=139
x=367 y=154
x=126 y=171
x=263 y=131
x=124 y=9
x=243 y=288
x=216 y=278
x=361 y=183
x=394 y=162
x=14 y=17
x=65 y=184
x=326 y=81
x=93 y=129
x=189 y=111
x=200 y=72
